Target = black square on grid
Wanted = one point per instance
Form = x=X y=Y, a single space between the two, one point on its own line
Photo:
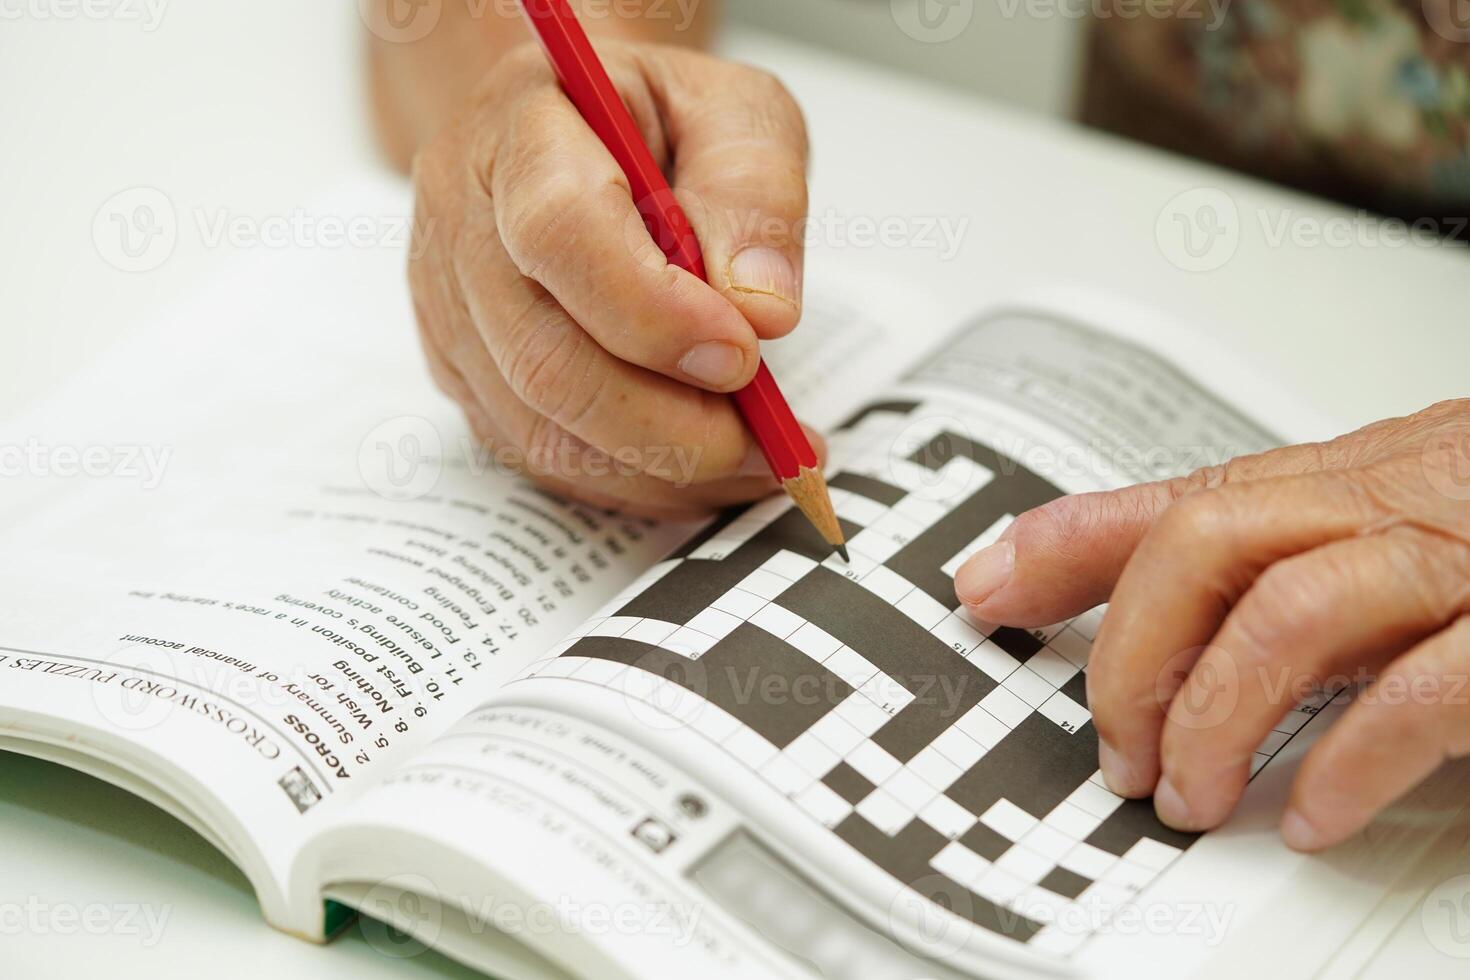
x=1066 y=883
x=986 y=841
x=848 y=783
x=1018 y=643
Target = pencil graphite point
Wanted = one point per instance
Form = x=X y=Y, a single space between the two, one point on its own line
x=842 y=550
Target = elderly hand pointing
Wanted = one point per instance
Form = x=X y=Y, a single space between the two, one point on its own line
x=1236 y=590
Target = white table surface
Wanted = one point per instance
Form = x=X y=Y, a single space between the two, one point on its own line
x=253 y=109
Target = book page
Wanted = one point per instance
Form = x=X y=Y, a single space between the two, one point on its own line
x=253 y=552
x=875 y=737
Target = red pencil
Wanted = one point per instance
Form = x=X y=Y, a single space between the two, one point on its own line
x=761 y=404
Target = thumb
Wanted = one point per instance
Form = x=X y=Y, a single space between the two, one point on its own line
x=740 y=151
x=1064 y=557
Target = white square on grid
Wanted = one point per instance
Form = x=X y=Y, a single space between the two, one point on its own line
x=785 y=775
x=653 y=631
x=1057 y=940
x=738 y=602
x=1126 y=874
x=1072 y=646
x=1258 y=762
x=947 y=817
x=773 y=619
x=886 y=584
x=1065 y=712
x=874 y=546
x=856 y=566
x=922 y=609
x=958 y=747
x=715 y=623
x=765 y=584
x=835 y=733
x=1025 y=864
x=884 y=690
x=874 y=763
x=1042 y=905
x=811 y=753
x=1049 y=842
x=814 y=641
x=994 y=662
x=1273 y=743
x=1051 y=667
x=958 y=862
x=851 y=666
x=1104 y=898
x=821 y=802
x=955 y=631
x=906 y=787
x=614 y=626
x=687 y=642
x=983 y=726
x=714 y=722
x=1006 y=706
x=896 y=527
x=750 y=748
x=1007 y=819
x=788 y=564
x=1152 y=854
x=1028 y=686
x=1072 y=820
x=859 y=509
x=600 y=671
x=1088 y=622
x=1088 y=861
x=919 y=510
x=999 y=886
x=861 y=713
x=885 y=812
x=934 y=768
x=1094 y=799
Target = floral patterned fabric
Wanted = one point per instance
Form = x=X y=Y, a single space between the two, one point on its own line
x=1366 y=100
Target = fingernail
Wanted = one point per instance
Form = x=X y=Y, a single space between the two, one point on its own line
x=767 y=271
x=983 y=575
x=1299 y=833
x=1170 y=806
x=1117 y=771
x=715 y=363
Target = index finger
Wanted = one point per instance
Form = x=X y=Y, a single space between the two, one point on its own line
x=1065 y=557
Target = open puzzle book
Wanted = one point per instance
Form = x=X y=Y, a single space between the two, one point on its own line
x=305 y=615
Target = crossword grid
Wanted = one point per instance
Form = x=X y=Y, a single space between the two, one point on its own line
x=1039 y=865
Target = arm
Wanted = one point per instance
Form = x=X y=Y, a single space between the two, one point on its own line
x=417 y=84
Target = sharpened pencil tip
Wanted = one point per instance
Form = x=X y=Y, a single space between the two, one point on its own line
x=842 y=550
